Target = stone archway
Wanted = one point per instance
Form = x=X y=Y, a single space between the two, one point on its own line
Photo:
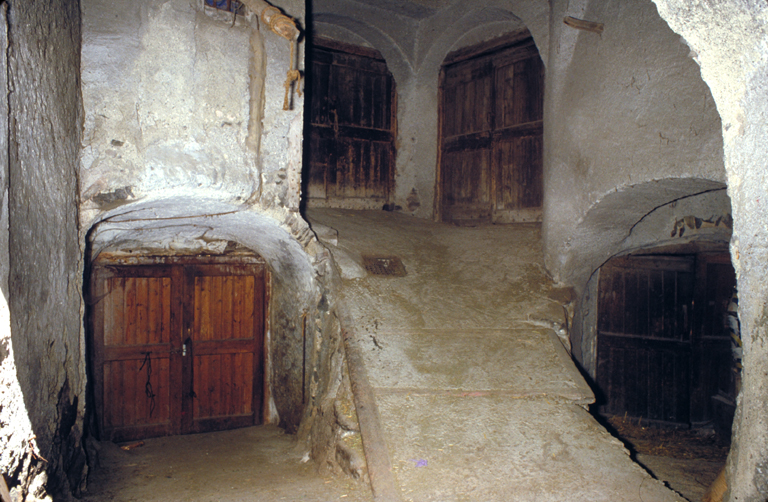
x=414 y=53
x=734 y=63
x=207 y=227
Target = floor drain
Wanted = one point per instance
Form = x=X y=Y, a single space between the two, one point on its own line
x=384 y=265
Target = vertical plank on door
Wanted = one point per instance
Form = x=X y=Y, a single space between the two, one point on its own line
x=130 y=310
x=225 y=368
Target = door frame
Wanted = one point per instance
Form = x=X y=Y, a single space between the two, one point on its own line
x=93 y=316
x=458 y=56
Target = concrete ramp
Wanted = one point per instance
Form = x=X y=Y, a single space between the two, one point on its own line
x=477 y=396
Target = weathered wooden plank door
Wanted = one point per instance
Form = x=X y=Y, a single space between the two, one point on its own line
x=352 y=133
x=518 y=135
x=491 y=147
x=177 y=348
x=644 y=337
x=467 y=170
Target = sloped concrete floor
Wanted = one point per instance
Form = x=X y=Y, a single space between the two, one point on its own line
x=476 y=395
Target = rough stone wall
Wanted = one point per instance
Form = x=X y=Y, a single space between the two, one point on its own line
x=629 y=127
x=44 y=266
x=414 y=45
x=168 y=104
x=734 y=63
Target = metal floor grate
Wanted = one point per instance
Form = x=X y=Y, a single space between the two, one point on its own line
x=390 y=266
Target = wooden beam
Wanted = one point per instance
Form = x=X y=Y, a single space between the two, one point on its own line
x=580 y=24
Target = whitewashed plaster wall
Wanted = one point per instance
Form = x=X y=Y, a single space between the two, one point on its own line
x=629 y=126
x=733 y=56
x=183 y=107
x=414 y=44
x=169 y=106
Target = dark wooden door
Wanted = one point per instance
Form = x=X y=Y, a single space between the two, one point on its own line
x=467 y=171
x=713 y=373
x=352 y=133
x=644 y=337
x=177 y=348
x=491 y=147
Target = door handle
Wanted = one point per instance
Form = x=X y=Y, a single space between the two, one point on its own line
x=184 y=346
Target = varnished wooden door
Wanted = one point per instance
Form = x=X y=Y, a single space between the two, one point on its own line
x=491 y=148
x=177 y=348
x=137 y=345
x=351 y=140
x=225 y=329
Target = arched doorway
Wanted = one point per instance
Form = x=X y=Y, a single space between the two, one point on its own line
x=233 y=263
x=663 y=342
x=178 y=343
x=491 y=125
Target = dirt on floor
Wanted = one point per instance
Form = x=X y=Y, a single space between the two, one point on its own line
x=256 y=463
x=687 y=460
x=701 y=444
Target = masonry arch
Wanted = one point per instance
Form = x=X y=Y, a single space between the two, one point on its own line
x=212 y=230
x=414 y=53
x=376 y=37
x=350 y=125
x=651 y=263
x=733 y=63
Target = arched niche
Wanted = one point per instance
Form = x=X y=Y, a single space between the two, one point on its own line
x=209 y=228
x=683 y=213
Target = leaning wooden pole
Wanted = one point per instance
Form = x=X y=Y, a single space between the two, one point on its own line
x=286 y=27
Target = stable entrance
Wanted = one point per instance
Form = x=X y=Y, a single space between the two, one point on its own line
x=491 y=113
x=663 y=348
x=177 y=346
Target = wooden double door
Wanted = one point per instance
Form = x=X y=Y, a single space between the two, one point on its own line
x=663 y=352
x=491 y=132
x=352 y=127
x=177 y=348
